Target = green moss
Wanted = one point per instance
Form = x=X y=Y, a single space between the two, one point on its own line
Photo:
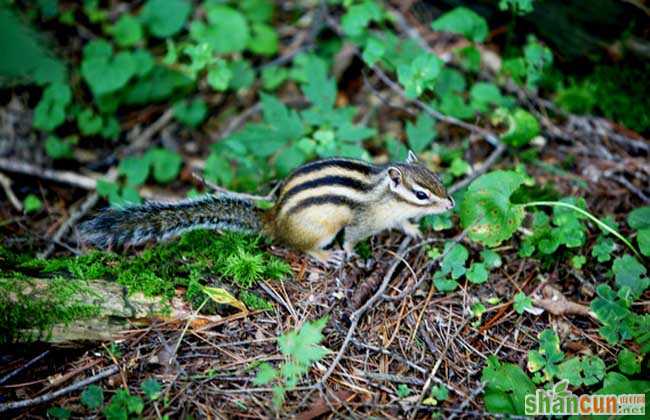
x=31 y=305
x=254 y=302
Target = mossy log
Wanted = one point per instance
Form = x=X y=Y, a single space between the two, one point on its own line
x=62 y=310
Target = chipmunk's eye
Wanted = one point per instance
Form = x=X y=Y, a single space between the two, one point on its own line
x=421 y=195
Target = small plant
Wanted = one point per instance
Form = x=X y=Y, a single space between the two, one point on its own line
x=301 y=349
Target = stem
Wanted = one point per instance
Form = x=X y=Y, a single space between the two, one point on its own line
x=590 y=216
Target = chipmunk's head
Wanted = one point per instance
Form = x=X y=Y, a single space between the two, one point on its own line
x=419 y=188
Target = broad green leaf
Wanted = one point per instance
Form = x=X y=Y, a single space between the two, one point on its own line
x=419 y=74
x=144 y=62
x=127 y=31
x=190 y=113
x=354 y=133
x=491 y=259
x=522 y=302
x=358 y=16
x=92 y=397
x=373 y=51
x=477 y=273
x=265 y=374
x=164 y=18
x=454 y=105
x=89 y=123
x=227 y=30
x=486 y=209
x=506 y=387
x=57 y=148
x=643 y=239
x=219 y=75
x=628 y=362
x=629 y=272
x=319 y=88
x=463 y=21
x=639 y=218
x=273 y=77
x=422 y=133
x=303 y=345
x=263 y=40
x=157 y=86
x=243 y=74
x=136 y=170
x=105 y=72
x=522 y=126
x=50 y=112
x=483 y=95
x=166 y=164
x=257 y=10
x=454 y=262
x=32 y=204
x=223 y=297
x=449 y=81
x=151 y=388
x=59 y=413
x=284 y=122
x=459 y=167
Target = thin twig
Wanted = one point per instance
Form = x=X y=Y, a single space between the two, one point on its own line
x=66 y=177
x=6 y=185
x=23 y=367
x=53 y=395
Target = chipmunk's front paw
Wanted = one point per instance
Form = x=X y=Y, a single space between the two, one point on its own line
x=330 y=259
x=411 y=230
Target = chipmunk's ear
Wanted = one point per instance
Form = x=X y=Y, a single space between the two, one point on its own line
x=395 y=176
x=411 y=158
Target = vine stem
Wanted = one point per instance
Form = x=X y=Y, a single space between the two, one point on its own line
x=590 y=216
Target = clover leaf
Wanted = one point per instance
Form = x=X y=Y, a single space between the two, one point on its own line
x=477 y=273
x=463 y=21
x=57 y=148
x=487 y=211
x=50 y=111
x=422 y=133
x=104 y=71
x=164 y=18
x=629 y=272
x=190 y=113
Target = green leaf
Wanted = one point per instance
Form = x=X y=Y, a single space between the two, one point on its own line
x=477 y=273
x=257 y=10
x=157 y=86
x=373 y=51
x=264 y=39
x=444 y=284
x=227 y=32
x=628 y=362
x=303 y=345
x=522 y=126
x=486 y=208
x=92 y=397
x=629 y=272
x=422 y=133
x=166 y=164
x=491 y=259
x=578 y=371
x=643 y=239
x=219 y=75
x=144 y=62
x=483 y=95
x=506 y=387
x=454 y=262
x=403 y=391
x=449 y=81
x=419 y=74
x=59 y=413
x=319 y=88
x=522 y=302
x=151 y=388
x=470 y=58
x=454 y=105
x=164 y=18
x=190 y=113
x=32 y=204
x=50 y=112
x=136 y=170
x=103 y=71
x=285 y=123
x=89 y=123
x=463 y=21
x=127 y=31
x=459 y=167
x=243 y=74
x=273 y=77
x=265 y=374
x=358 y=16
x=603 y=249
x=577 y=261
x=57 y=148
x=639 y=218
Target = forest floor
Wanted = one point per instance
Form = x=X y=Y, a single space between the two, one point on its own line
x=396 y=343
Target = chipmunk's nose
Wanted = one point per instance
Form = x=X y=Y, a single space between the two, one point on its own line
x=451 y=204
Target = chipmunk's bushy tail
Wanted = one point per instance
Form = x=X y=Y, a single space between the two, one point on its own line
x=157 y=221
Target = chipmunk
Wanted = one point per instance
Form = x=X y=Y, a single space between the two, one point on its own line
x=316 y=202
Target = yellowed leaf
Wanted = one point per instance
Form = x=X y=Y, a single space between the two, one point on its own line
x=222 y=296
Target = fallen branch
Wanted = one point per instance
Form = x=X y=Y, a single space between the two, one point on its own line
x=56 y=394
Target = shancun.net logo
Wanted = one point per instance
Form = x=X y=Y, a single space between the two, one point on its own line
x=560 y=401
